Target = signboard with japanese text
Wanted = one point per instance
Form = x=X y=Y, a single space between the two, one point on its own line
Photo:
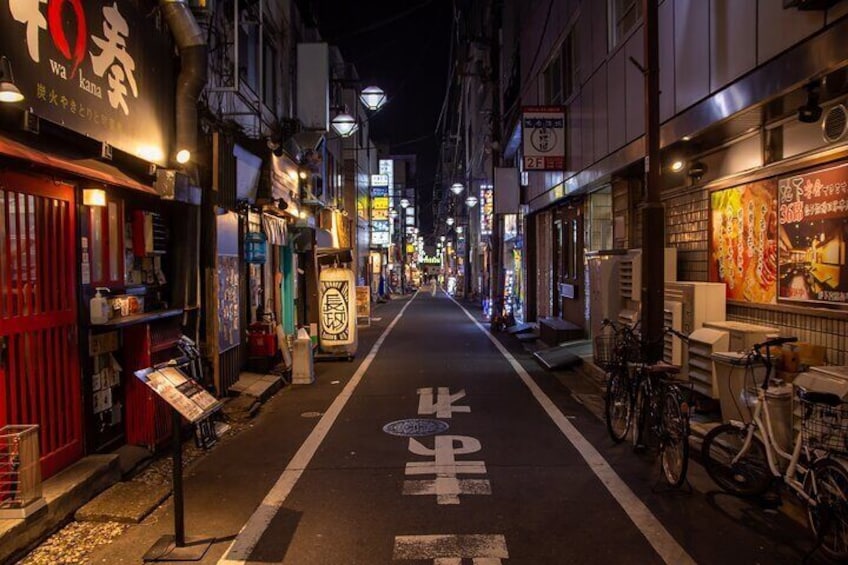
x=486 y=209
x=102 y=69
x=543 y=138
x=184 y=394
x=380 y=222
x=337 y=296
x=813 y=218
x=363 y=304
x=743 y=246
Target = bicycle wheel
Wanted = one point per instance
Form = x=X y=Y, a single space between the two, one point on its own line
x=674 y=444
x=750 y=475
x=640 y=412
x=827 y=484
x=618 y=405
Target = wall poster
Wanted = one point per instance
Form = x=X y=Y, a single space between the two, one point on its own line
x=228 y=303
x=813 y=217
x=743 y=241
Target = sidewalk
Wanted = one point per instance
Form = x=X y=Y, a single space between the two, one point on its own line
x=117 y=519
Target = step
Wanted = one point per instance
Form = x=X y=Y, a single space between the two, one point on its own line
x=554 y=331
x=64 y=493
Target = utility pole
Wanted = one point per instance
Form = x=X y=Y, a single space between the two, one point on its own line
x=653 y=217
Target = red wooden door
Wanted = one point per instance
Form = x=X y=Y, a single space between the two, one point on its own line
x=39 y=365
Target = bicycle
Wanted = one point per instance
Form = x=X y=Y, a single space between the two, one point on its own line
x=647 y=394
x=660 y=411
x=742 y=457
x=614 y=349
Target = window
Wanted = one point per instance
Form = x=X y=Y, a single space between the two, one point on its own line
x=600 y=224
x=248 y=46
x=107 y=245
x=624 y=15
x=569 y=65
x=552 y=82
x=269 y=78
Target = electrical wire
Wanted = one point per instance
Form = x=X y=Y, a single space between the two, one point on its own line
x=383 y=22
x=538 y=50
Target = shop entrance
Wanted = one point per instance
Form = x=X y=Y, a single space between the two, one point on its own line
x=39 y=367
x=568 y=272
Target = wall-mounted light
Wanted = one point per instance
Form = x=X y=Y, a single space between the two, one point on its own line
x=183 y=156
x=94 y=197
x=457 y=188
x=9 y=92
x=344 y=124
x=373 y=97
x=677 y=165
x=471 y=201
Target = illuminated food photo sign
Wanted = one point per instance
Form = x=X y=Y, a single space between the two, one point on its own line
x=102 y=69
x=812 y=214
x=743 y=246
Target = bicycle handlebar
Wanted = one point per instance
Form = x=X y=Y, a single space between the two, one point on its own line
x=774 y=342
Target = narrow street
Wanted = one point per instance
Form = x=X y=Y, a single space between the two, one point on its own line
x=503 y=466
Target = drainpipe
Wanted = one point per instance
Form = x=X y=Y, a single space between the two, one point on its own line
x=193 y=64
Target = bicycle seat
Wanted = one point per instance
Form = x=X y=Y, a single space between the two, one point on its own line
x=663 y=367
x=817 y=397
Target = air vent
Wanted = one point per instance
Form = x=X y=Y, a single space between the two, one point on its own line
x=835 y=124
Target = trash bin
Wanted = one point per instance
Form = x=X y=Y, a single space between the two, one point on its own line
x=303 y=372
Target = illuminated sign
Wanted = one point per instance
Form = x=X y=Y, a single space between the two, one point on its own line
x=486 y=209
x=543 y=138
x=101 y=69
x=379 y=180
x=337 y=289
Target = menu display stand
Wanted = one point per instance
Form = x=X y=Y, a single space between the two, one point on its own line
x=190 y=401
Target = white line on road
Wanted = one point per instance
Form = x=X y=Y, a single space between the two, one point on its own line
x=250 y=534
x=659 y=538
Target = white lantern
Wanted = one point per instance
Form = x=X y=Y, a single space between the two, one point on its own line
x=457 y=188
x=337 y=307
x=344 y=125
x=471 y=201
x=373 y=97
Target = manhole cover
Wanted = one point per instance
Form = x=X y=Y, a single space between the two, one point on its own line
x=415 y=427
x=311 y=414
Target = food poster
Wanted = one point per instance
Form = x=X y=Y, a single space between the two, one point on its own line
x=743 y=246
x=813 y=230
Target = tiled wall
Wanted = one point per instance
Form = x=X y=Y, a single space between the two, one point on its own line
x=687 y=228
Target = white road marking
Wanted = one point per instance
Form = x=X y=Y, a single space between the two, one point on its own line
x=442 y=405
x=451 y=549
x=446 y=487
x=663 y=542
x=250 y=534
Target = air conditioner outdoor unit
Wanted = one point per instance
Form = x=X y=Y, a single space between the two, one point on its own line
x=631 y=272
x=701 y=302
x=672 y=345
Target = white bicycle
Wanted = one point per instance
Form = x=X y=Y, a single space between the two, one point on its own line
x=742 y=458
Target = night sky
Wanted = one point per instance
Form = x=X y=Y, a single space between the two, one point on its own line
x=402 y=47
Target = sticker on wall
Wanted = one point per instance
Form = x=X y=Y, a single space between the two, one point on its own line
x=743 y=246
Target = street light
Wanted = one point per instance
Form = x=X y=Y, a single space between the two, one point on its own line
x=372 y=97
x=457 y=188
x=344 y=124
x=471 y=201
x=404 y=203
x=449 y=221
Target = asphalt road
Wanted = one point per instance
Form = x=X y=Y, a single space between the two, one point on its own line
x=490 y=460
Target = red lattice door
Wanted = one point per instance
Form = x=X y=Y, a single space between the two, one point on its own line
x=39 y=365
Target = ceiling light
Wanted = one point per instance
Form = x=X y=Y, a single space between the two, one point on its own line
x=183 y=156
x=677 y=166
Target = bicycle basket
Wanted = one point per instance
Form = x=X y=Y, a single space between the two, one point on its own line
x=604 y=350
x=825 y=427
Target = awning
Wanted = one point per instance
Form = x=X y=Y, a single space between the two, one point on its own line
x=275 y=228
x=87 y=168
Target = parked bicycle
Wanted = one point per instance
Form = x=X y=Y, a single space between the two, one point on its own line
x=742 y=457
x=646 y=397
x=615 y=347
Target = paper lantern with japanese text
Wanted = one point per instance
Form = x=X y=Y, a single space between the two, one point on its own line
x=337 y=306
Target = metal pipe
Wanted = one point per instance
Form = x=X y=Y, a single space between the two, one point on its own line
x=192 y=77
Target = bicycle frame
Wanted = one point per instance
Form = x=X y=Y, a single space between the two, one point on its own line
x=773 y=450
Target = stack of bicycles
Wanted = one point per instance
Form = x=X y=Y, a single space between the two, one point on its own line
x=644 y=399
x=744 y=458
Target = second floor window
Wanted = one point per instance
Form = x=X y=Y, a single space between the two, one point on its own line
x=624 y=15
x=552 y=82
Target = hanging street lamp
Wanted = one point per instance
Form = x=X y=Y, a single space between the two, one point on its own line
x=471 y=201
x=372 y=97
x=344 y=124
x=449 y=221
x=457 y=188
